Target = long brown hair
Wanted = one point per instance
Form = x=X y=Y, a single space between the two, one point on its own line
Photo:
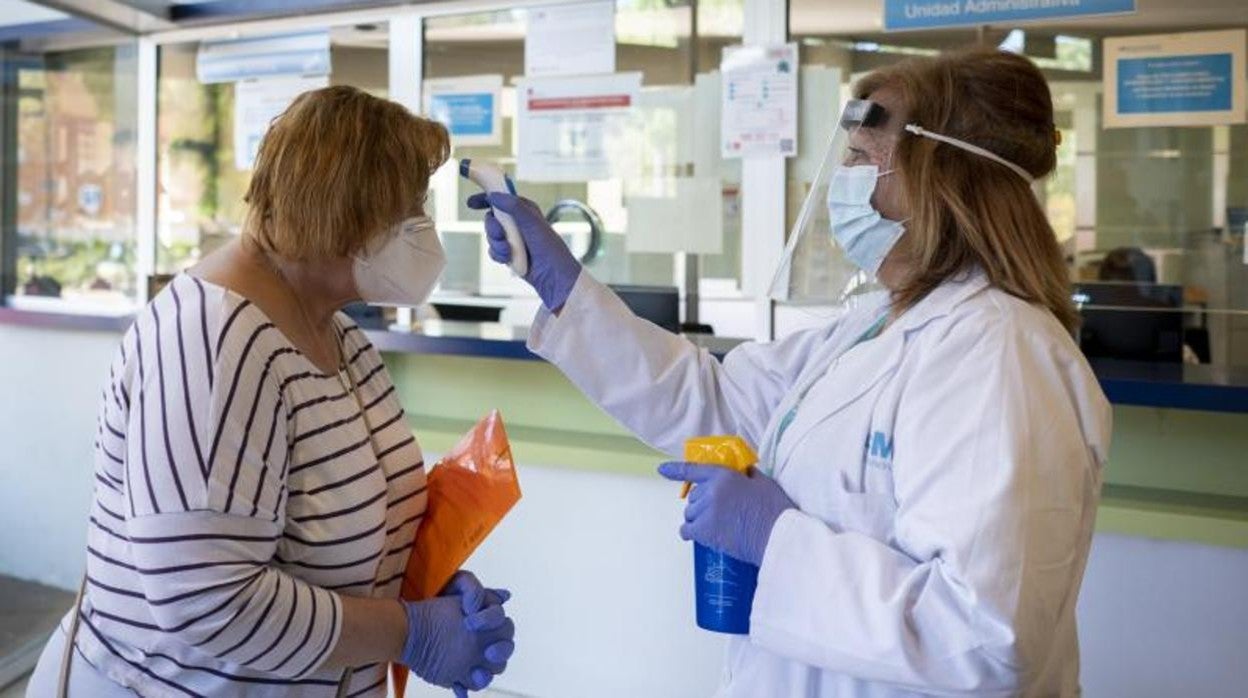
x=967 y=210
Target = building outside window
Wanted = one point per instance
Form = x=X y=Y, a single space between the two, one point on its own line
x=74 y=235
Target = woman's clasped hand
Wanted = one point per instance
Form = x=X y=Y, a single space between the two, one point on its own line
x=460 y=639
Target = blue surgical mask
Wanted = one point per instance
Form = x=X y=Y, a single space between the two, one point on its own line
x=864 y=235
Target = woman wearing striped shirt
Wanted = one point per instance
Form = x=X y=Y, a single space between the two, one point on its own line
x=257 y=486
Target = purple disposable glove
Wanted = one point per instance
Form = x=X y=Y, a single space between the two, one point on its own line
x=728 y=511
x=474 y=597
x=472 y=593
x=460 y=639
x=553 y=270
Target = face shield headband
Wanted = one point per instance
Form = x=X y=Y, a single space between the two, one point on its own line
x=970 y=148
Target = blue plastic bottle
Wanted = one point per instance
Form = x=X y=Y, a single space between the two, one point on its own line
x=724 y=588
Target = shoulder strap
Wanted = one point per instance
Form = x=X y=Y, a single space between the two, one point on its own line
x=67 y=654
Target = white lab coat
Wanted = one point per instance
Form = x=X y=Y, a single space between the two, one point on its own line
x=946 y=475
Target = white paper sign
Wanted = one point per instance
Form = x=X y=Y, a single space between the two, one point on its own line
x=575 y=129
x=574 y=39
x=1194 y=79
x=683 y=215
x=759 y=98
x=470 y=107
x=256 y=104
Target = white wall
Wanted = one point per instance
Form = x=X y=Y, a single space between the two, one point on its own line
x=603 y=586
x=1159 y=618
x=50 y=380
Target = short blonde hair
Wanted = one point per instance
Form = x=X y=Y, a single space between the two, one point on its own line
x=335 y=170
x=967 y=210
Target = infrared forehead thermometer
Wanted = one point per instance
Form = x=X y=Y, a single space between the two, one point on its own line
x=490 y=178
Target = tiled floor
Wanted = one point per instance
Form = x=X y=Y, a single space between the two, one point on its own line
x=16 y=689
x=28 y=613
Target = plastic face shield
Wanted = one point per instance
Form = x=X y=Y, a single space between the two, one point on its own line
x=814 y=269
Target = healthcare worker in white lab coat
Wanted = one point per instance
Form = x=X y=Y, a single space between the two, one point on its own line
x=931 y=458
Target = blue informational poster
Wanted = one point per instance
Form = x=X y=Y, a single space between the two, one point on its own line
x=1194 y=79
x=1174 y=84
x=470 y=114
x=469 y=106
x=933 y=14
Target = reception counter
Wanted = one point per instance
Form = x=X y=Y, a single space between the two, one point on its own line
x=1177 y=467
x=1173 y=386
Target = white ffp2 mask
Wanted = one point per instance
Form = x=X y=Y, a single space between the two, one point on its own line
x=403 y=266
x=865 y=236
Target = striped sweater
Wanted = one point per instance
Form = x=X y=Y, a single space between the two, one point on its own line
x=239 y=494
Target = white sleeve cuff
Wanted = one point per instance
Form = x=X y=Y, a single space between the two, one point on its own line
x=588 y=298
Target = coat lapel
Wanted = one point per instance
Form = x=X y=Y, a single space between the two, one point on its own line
x=850 y=376
x=857 y=370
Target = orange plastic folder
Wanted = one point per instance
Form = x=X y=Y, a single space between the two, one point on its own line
x=470 y=490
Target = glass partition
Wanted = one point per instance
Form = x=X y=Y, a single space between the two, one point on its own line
x=1152 y=219
x=667 y=151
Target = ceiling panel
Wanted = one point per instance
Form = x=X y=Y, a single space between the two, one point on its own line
x=22 y=12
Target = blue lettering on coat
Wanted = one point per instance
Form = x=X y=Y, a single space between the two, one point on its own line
x=880 y=447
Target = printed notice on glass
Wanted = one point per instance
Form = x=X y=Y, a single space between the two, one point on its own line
x=468 y=107
x=575 y=129
x=256 y=104
x=759 y=101
x=1192 y=79
x=576 y=39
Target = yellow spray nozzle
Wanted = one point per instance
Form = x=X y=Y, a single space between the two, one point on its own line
x=725 y=451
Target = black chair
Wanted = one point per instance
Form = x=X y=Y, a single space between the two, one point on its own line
x=1131 y=321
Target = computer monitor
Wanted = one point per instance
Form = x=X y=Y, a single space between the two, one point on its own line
x=1133 y=321
x=658 y=304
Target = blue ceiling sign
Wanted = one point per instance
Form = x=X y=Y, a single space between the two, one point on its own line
x=933 y=14
x=287 y=55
